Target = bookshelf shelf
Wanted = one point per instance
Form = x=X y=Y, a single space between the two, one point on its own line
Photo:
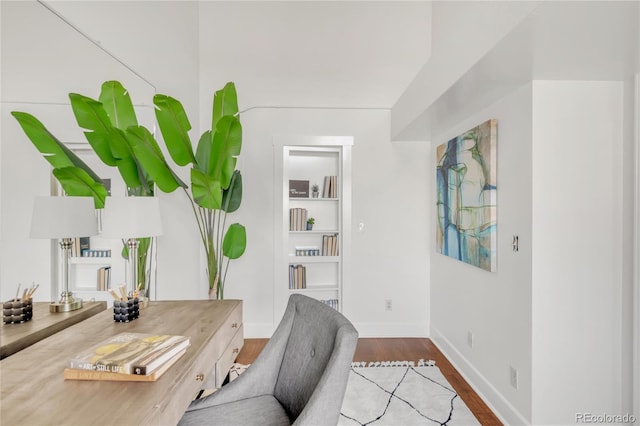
x=302 y=162
x=314 y=259
x=90 y=261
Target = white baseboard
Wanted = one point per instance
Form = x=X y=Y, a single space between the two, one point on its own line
x=258 y=330
x=374 y=329
x=368 y=329
x=502 y=408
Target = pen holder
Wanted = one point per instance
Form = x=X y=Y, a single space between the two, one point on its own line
x=14 y=312
x=126 y=310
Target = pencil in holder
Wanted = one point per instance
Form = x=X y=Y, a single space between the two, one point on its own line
x=17 y=311
x=126 y=310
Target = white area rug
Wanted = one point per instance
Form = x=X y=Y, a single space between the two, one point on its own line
x=397 y=393
x=400 y=393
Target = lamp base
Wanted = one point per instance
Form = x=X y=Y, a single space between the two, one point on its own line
x=66 y=303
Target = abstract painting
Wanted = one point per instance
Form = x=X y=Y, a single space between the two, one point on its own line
x=466 y=196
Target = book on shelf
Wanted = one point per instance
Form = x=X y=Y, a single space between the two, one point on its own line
x=307 y=251
x=330 y=245
x=330 y=188
x=80 y=245
x=299 y=188
x=331 y=302
x=297 y=277
x=126 y=353
x=104 y=278
x=74 y=374
x=298 y=219
x=96 y=253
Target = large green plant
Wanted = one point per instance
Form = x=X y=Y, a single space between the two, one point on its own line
x=112 y=130
x=216 y=185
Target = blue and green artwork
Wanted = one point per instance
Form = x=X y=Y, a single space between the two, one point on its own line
x=466 y=196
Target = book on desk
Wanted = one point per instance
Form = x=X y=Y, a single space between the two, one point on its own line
x=127 y=357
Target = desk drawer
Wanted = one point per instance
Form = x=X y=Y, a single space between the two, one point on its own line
x=223 y=365
x=229 y=330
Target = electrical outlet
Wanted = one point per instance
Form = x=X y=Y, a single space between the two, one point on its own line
x=513 y=377
x=470 y=339
x=388 y=305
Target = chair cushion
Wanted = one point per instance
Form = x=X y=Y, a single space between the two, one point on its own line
x=261 y=410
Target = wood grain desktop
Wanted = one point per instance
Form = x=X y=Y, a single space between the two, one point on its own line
x=33 y=389
x=16 y=337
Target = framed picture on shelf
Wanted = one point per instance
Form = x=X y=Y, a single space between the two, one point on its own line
x=299 y=189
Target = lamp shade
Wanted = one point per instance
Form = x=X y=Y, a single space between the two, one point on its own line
x=131 y=217
x=63 y=217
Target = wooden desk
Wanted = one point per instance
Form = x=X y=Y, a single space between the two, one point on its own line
x=16 y=337
x=33 y=391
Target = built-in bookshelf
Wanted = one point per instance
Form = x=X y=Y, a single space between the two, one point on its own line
x=313 y=257
x=90 y=269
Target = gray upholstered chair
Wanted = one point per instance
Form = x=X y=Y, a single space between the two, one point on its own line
x=299 y=378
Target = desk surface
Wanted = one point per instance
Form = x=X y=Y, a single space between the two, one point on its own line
x=33 y=390
x=16 y=337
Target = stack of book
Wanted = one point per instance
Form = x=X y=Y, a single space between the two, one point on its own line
x=298 y=219
x=330 y=188
x=80 y=245
x=331 y=302
x=133 y=357
x=330 y=245
x=104 y=278
x=297 y=277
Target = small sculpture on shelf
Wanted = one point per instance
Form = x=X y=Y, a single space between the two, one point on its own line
x=315 y=190
x=310 y=223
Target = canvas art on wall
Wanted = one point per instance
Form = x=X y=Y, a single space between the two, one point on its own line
x=466 y=196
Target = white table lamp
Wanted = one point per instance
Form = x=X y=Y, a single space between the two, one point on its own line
x=130 y=218
x=64 y=218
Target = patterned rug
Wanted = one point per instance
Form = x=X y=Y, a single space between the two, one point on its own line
x=401 y=393
x=398 y=393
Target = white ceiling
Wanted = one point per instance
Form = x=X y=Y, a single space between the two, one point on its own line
x=559 y=40
x=358 y=54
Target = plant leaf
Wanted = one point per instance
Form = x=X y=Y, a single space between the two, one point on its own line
x=125 y=158
x=235 y=241
x=150 y=156
x=76 y=182
x=225 y=102
x=227 y=143
x=232 y=196
x=206 y=190
x=174 y=126
x=203 y=152
x=117 y=103
x=54 y=151
x=91 y=115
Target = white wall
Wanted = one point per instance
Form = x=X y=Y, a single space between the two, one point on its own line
x=389 y=258
x=553 y=310
x=495 y=307
x=39 y=69
x=168 y=59
x=72 y=63
x=577 y=247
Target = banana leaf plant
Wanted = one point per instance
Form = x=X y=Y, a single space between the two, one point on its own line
x=75 y=176
x=112 y=129
x=216 y=185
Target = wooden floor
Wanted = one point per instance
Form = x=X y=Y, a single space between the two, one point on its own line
x=401 y=349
